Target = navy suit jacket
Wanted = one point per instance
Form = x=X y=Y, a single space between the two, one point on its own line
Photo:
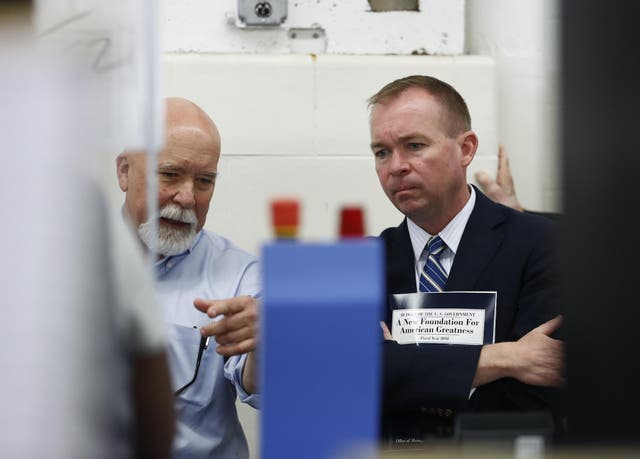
x=501 y=250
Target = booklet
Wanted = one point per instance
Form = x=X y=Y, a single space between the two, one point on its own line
x=444 y=318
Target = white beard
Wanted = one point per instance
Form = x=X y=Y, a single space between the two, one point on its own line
x=171 y=241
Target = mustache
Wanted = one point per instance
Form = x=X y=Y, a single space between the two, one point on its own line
x=175 y=212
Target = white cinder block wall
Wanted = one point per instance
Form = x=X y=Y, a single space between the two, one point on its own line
x=297 y=125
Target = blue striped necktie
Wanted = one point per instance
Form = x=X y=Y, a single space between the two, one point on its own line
x=433 y=277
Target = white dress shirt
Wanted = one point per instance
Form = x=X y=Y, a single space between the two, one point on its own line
x=451 y=235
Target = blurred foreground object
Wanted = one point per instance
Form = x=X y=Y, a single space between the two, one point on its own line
x=601 y=174
x=320 y=367
x=71 y=338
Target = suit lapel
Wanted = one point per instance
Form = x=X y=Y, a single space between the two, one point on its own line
x=401 y=276
x=480 y=241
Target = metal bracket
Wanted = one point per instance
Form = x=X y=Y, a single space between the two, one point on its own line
x=312 y=40
x=262 y=13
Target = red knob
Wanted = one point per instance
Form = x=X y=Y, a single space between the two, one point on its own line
x=351 y=222
x=285 y=217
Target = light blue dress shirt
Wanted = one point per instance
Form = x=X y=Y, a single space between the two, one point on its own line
x=207 y=421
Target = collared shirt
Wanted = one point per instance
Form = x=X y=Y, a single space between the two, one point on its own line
x=451 y=235
x=207 y=421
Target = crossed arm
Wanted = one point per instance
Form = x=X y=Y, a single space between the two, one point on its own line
x=535 y=359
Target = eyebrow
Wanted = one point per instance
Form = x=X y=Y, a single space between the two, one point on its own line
x=174 y=167
x=414 y=136
x=168 y=165
x=212 y=174
x=403 y=138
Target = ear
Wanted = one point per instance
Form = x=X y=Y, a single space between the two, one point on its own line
x=468 y=145
x=122 y=168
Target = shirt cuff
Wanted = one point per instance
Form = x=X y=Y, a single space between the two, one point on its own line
x=233 y=369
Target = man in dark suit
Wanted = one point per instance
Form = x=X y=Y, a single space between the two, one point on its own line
x=422 y=141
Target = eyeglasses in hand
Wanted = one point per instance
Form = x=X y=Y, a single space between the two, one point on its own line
x=204 y=341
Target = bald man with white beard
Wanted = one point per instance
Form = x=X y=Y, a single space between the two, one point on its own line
x=212 y=345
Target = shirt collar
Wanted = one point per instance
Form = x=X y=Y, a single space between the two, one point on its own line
x=451 y=234
x=165 y=264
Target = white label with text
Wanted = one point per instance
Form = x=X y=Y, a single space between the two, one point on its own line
x=438 y=325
